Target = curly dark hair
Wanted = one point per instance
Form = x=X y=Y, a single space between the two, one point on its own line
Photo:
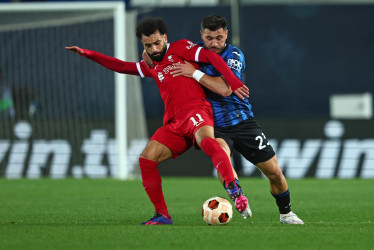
x=213 y=23
x=150 y=25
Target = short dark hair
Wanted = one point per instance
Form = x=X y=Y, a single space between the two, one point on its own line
x=150 y=25
x=213 y=23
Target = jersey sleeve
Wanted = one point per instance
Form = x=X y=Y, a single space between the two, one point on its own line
x=143 y=69
x=186 y=49
x=235 y=61
x=115 y=64
x=194 y=53
x=206 y=56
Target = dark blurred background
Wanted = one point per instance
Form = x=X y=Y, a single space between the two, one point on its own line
x=300 y=55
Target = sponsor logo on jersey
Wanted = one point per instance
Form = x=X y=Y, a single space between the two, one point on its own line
x=234 y=64
x=167 y=69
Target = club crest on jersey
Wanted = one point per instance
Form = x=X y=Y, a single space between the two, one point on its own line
x=170 y=58
x=191 y=44
x=160 y=76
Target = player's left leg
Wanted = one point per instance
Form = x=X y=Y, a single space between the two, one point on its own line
x=251 y=142
x=227 y=150
x=241 y=203
x=279 y=190
x=206 y=141
x=272 y=171
x=204 y=137
x=197 y=124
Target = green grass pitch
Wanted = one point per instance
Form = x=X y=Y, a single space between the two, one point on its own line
x=106 y=214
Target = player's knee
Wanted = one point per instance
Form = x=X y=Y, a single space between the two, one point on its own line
x=224 y=146
x=150 y=156
x=155 y=151
x=276 y=176
x=146 y=154
x=149 y=153
x=272 y=170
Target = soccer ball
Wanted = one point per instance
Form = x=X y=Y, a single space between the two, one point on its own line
x=217 y=211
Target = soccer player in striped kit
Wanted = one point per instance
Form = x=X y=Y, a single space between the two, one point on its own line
x=188 y=118
x=234 y=123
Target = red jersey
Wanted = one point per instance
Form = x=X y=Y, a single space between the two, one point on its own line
x=178 y=93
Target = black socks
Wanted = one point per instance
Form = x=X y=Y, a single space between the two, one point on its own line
x=283 y=201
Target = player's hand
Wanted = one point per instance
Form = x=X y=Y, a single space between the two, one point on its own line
x=75 y=49
x=148 y=61
x=183 y=69
x=242 y=92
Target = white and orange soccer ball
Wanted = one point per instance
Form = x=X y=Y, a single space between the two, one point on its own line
x=217 y=211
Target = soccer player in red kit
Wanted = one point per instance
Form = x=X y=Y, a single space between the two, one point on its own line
x=188 y=118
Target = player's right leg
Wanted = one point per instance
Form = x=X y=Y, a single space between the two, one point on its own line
x=163 y=145
x=154 y=153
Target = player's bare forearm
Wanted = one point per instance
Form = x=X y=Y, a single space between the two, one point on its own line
x=216 y=84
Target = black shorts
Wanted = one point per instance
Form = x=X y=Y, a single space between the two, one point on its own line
x=248 y=139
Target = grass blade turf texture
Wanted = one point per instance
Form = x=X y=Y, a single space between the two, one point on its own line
x=106 y=214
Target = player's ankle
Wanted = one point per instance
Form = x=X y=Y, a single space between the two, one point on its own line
x=226 y=183
x=163 y=212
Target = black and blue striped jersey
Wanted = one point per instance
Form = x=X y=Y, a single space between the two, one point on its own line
x=231 y=110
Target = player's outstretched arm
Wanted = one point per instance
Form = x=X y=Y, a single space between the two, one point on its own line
x=215 y=84
x=106 y=61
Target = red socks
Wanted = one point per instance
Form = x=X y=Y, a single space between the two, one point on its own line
x=153 y=185
x=220 y=160
x=152 y=180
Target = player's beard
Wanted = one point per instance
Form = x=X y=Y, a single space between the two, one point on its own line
x=157 y=56
x=216 y=49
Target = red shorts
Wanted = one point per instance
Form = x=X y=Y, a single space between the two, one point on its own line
x=179 y=134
